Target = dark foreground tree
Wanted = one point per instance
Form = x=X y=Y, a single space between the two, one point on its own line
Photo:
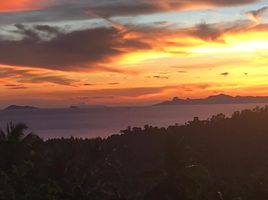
x=17 y=145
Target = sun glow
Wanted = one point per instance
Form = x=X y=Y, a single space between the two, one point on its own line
x=138 y=57
x=250 y=42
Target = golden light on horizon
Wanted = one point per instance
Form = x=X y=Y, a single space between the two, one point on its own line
x=138 y=57
x=243 y=42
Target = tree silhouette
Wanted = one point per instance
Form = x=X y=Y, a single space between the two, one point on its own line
x=16 y=145
x=221 y=158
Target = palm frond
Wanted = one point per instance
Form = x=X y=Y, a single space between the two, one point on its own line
x=3 y=136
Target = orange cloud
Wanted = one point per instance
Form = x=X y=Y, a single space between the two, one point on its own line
x=18 y=5
x=110 y=47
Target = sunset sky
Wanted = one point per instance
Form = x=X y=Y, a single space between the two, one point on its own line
x=56 y=53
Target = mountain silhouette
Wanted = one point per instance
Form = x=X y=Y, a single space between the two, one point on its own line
x=16 y=107
x=217 y=99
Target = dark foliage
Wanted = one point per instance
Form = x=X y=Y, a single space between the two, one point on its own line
x=216 y=159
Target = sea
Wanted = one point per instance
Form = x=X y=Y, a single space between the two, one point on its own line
x=106 y=121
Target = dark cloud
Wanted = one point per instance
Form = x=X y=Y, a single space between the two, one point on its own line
x=161 y=77
x=130 y=7
x=214 y=32
x=89 y=84
x=12 y=85
x=73 y=10
x=15 y=86
x=95 y=49
x=47 y=79
x=9 y=72
x=26 y=76
x=18 y=88
x=80 y=98
x=67 y=51
x=256 y=15
x=207 y=32
x=225 y=74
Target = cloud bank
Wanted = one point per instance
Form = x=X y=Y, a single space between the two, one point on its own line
x=56 y=10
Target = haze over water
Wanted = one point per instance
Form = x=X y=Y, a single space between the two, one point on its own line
x=102 y=122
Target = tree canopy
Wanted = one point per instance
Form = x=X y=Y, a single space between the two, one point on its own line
x=221 y=158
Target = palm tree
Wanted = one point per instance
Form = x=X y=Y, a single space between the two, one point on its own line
x=16 y=133
x=16 y=145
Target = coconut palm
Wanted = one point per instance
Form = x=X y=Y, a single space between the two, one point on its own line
x=16 y=144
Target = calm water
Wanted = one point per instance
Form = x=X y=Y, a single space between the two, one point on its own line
x=103 y=122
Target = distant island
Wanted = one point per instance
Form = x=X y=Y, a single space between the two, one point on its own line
x=217 y=99
x=73 y=107
x=16 y=107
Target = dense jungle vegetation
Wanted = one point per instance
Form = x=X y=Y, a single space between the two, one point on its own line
x=222 y=158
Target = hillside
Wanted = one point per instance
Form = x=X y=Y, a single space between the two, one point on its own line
x=217 y=99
